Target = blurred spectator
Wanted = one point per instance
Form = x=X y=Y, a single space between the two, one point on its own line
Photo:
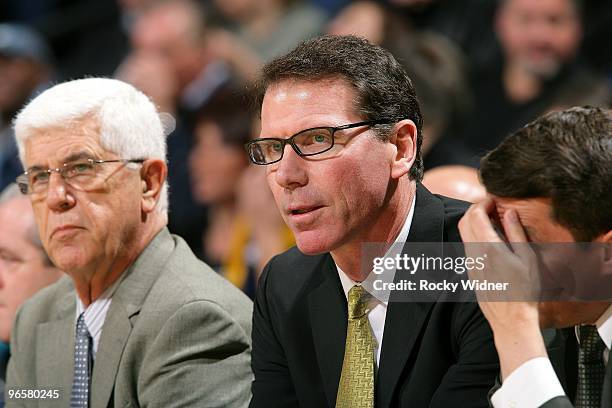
x=460 y=182
x=366 y=19
x=467 y=23
x=433 y=63
x=538 y=71
x=25 y=268
x=245 y=229
x=169 y=45
x=257 y=30
x=85 y=35
x=170 y=63
x=25 y=69
x=597 y=34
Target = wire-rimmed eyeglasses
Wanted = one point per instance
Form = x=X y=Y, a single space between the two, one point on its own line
x=79 y=174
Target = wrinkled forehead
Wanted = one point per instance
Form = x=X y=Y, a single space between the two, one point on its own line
x=535 y=214
x=65 y=142
x=292 y=105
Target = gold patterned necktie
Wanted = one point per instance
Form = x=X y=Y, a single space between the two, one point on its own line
x=356 y=387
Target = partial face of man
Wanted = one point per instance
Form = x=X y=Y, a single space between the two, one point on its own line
x=83 y=228
x=568 y=265
x=540 y=35
x=19 y=78
x=23 y=267
x=167 y=32
x=337 y=197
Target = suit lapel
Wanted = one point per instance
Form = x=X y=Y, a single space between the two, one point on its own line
x=125 y=306
x=606 y=395
x=405 y=320
x=55 y=348
x=328 y=316
x=562 y=350
x=115 y=333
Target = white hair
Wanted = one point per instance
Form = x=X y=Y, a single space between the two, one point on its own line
x=129 y=123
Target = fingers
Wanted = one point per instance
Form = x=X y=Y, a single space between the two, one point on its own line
x=513 y=228
x=476 y=225
x=516 y=235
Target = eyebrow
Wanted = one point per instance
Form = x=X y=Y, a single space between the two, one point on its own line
x=73 y=157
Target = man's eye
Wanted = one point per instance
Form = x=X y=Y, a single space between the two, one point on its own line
x=39 y=177
x=277 y=147
x=9 y=258
x=77 y=169
x=315 y=139
x=320 y=138
x=82 y=167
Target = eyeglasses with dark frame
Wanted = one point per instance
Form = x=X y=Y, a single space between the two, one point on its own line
x=78 y=174
x=308 y=142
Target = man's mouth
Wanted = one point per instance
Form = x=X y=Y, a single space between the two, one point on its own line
x=303 y=210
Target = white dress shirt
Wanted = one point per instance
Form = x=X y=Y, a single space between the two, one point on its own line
x=95 y=313
x=377 y=309
x=535 y=381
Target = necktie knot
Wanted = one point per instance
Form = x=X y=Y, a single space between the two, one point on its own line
x=591 y=344
x=81 y=326
x=357 y=302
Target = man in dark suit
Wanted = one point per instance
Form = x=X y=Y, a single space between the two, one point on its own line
x=139 y=320
x=341 y=137
x=556 y=193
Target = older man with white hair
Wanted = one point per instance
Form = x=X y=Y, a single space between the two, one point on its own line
x=140 y=321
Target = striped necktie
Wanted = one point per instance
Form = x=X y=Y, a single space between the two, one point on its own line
x=83 y=362
x=356 y=387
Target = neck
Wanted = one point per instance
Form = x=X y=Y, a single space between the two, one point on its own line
x=595 y=311
x=91 y=282
x=383 y=230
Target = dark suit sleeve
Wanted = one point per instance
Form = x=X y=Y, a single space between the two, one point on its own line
x=477 y=365
x=273 y=386
x=558 y=402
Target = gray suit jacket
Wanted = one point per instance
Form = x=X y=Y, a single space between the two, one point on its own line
x=176 y=335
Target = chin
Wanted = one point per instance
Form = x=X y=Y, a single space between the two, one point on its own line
x=69 y=258
x=312 y=243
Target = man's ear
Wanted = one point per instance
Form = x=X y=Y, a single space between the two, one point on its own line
x=153 y=175
x=405 y=140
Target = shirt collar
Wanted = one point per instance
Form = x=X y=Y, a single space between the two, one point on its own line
x=348 y=283
x=604 y=327
x=101 y=304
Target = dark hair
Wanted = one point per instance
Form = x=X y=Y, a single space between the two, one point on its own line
x=565 y=156
x=383 y=88
x=226 y=110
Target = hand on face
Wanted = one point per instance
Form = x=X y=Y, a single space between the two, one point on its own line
x=515 y=324
x=517 y=267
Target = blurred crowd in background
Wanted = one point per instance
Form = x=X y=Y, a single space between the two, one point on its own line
x=481 y=68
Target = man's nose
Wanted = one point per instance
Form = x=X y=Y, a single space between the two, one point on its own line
x=291 y=171
x=59 y=198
